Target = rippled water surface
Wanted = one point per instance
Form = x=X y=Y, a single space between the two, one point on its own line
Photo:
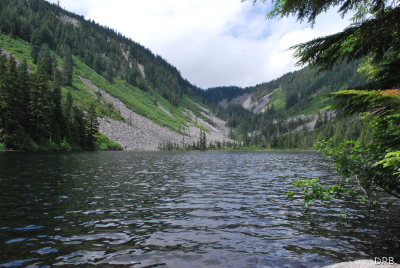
x=175 y=209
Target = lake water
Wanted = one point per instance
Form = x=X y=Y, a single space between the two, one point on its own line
x=176 y=209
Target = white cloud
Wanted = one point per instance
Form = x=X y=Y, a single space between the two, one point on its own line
x=78 y=7
x=212 y=42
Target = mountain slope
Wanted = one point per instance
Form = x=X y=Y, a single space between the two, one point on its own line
x=293 y=92
x=123 y=80
x=139 y=133
x=263 y=114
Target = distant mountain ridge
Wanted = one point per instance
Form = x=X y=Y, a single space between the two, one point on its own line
x=299 y=88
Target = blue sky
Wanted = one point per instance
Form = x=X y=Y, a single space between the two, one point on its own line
x=212 y=42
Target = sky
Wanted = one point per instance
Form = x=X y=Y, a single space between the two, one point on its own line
x=212 y=42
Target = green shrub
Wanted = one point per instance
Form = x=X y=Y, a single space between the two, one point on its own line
x=65 y=146
x=104 y=144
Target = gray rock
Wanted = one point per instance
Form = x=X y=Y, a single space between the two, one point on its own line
x=141 y=134
x=363 y=264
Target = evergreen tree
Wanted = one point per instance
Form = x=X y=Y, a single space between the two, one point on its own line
x=57 y=116
x=353 y=130
x=202 y=140
x=98 y=64
x=36 y=43
x=11 y=110
x=24 y=84
x=79 y=130
x=339 y=134
x=39 y=105
x=67 y=68
x=4 y=98
x=92 y=127
x=68 y=112
x=109 y=71
x=46 y=60
x=56 y=75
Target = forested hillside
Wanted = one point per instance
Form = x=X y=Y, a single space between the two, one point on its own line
x=81 y=59
x=101 y=48
x=217 y=94
x=299 y=87
x=291 y=111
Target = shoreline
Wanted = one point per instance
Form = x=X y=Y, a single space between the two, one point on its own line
x=177 y=150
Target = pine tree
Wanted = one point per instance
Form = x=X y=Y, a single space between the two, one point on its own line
x=109 y=71
x=202 y=140
x=92 y=127
x=4 y=97
x=68 y=115
x=353 y=130
x=57 y=116
x=339 y=135
x=24 y=86
x=98 y=64
x=39 y=105
x=67 y=68
x=11 y=110
x=56 y=75
x=79 y=129
x=45 y=59
x=36 y=42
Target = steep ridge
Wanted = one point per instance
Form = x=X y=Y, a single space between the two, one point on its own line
x=246 y=101
x=292 y=92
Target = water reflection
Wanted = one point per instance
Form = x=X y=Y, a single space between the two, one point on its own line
x=175 y=209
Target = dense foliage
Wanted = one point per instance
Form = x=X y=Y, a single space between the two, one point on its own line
x=373 y=38
x=217 y=94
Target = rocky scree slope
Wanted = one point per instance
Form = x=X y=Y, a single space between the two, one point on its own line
x=141 y=134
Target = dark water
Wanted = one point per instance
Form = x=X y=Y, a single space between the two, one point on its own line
x=176 y=209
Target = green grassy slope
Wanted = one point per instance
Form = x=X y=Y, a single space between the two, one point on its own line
x=145 y=103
